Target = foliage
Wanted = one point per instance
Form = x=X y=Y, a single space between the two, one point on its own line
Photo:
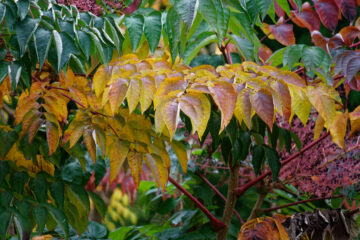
x=81 y=92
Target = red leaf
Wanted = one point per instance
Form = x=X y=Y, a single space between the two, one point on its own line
x=283 y=33
x=328 y=13
x=307 y=18
x=264 y=53
x=336 y=41
x=319 y=40
x=279 y=11
x=348 y=8
x=349 y=34
x=262 y=103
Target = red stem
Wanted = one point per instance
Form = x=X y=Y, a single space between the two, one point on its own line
x=241 y=221
x=355 y=44
x=216 y=223
x=240 y=191
x=298 y=202
x=72 y=99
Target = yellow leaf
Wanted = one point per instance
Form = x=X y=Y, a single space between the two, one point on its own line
x=56 y=105
x=29 y=119
x=76 y=131
x=100 y=139
x=323 y=103
x=180 y=151
x=135 y=163
x=101 y=78
x=291 y=78
x=300 y=104
x=94 y=102
x=25 y=104
x=225 y=98
x=79 y=97
x=147 y=92
x=319 y=125
x=355 y=120
x=243 y=110
x=338 y=128
x=197 y=107
x=52 y=134
x=34 y=127
x=262 y=102
x=167 y=86
x=282 y=98
x=118 y=151
x=117 y=93
x=157 y=168
x=158 y=148
x=133 y=94
x=90 y=143
x=171 y=116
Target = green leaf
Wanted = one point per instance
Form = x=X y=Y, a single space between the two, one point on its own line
x=216 y=16
x=4 y=170
x=111 y=32
x=70 y=49
x=285 y=134
x=58 y=46
x=121 y=233
x=173 y=19
x=18 y=180
x=292 y=54
x=24 y=30
x=2 y=11
x=277 y=57
x=5 y=218
x=85 y=43
x=42 y=44
x=258 y=155
x=40 y=216
x=274 y=161
x=245 y=139
x=7 y=140
x=99 y=204
x=14 y=74
x=152 y=29
x=60 y=218
x=187 y=10
x=3 y=72
x=285 y=6
x=194 y=47
x=57 y=192
x=72 y=173
x=81 y=195
x=23 y=8
x=98 y=47
x=251 y=8
x=313 y=57
x=297 y=141
x=135 y=25
x=264 y=6
x=39 y=186
x=245 y=47
x=240 y=25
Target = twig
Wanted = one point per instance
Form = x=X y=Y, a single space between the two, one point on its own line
x=355 y=44
x=265 y=210
x=240 y=191
x=72 y=99
x=241 y=221
x=216 y=223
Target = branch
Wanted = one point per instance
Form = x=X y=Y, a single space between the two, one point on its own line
x=223 y=51
x=298 y=202
x=216 y=223
x=241 y=221
x=355 y=44
x=240 y=191
x=257 y=206
x=72 y=99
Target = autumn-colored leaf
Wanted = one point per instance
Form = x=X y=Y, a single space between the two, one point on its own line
x=262 y=103
x=319 y=125
x=90 y=143
x=180 y=150
x=349 y=33
x=25 y=104
x=225 y=97
x=34 y=127
x=264 y=53
x=133 y=94
x=243 y=110
x=158 y=169
x=171 y=116
x=300 y=104
x=319 y=40
x=282 y=98
x=197 y=107
x=167 y=86
x=328 y=13
x=52 y=134
x=29 y=119
x=147 y=92
x=117 y=93
x=101 y=78
x=306 y=18
x=118 y=151
x=135 y=162
x=338 y=128
x=79 y=97
x=282 y=32
x=348 y=8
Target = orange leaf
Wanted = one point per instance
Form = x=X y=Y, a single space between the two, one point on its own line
x=349 y=33
x=79 y=97
x=225 y=98
x=319 y=125
x=34 y=127
x=171 y=116
x=262 y=103
x=282 y=98
x=117 y=93
x=90 y=143
x=243 y=110
x=338 y=129
x=135 y=163
x=355 y=120
x=52 y=134
x=118 y=151
x=158 y=169
x=197 y=107
x=167 y=86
